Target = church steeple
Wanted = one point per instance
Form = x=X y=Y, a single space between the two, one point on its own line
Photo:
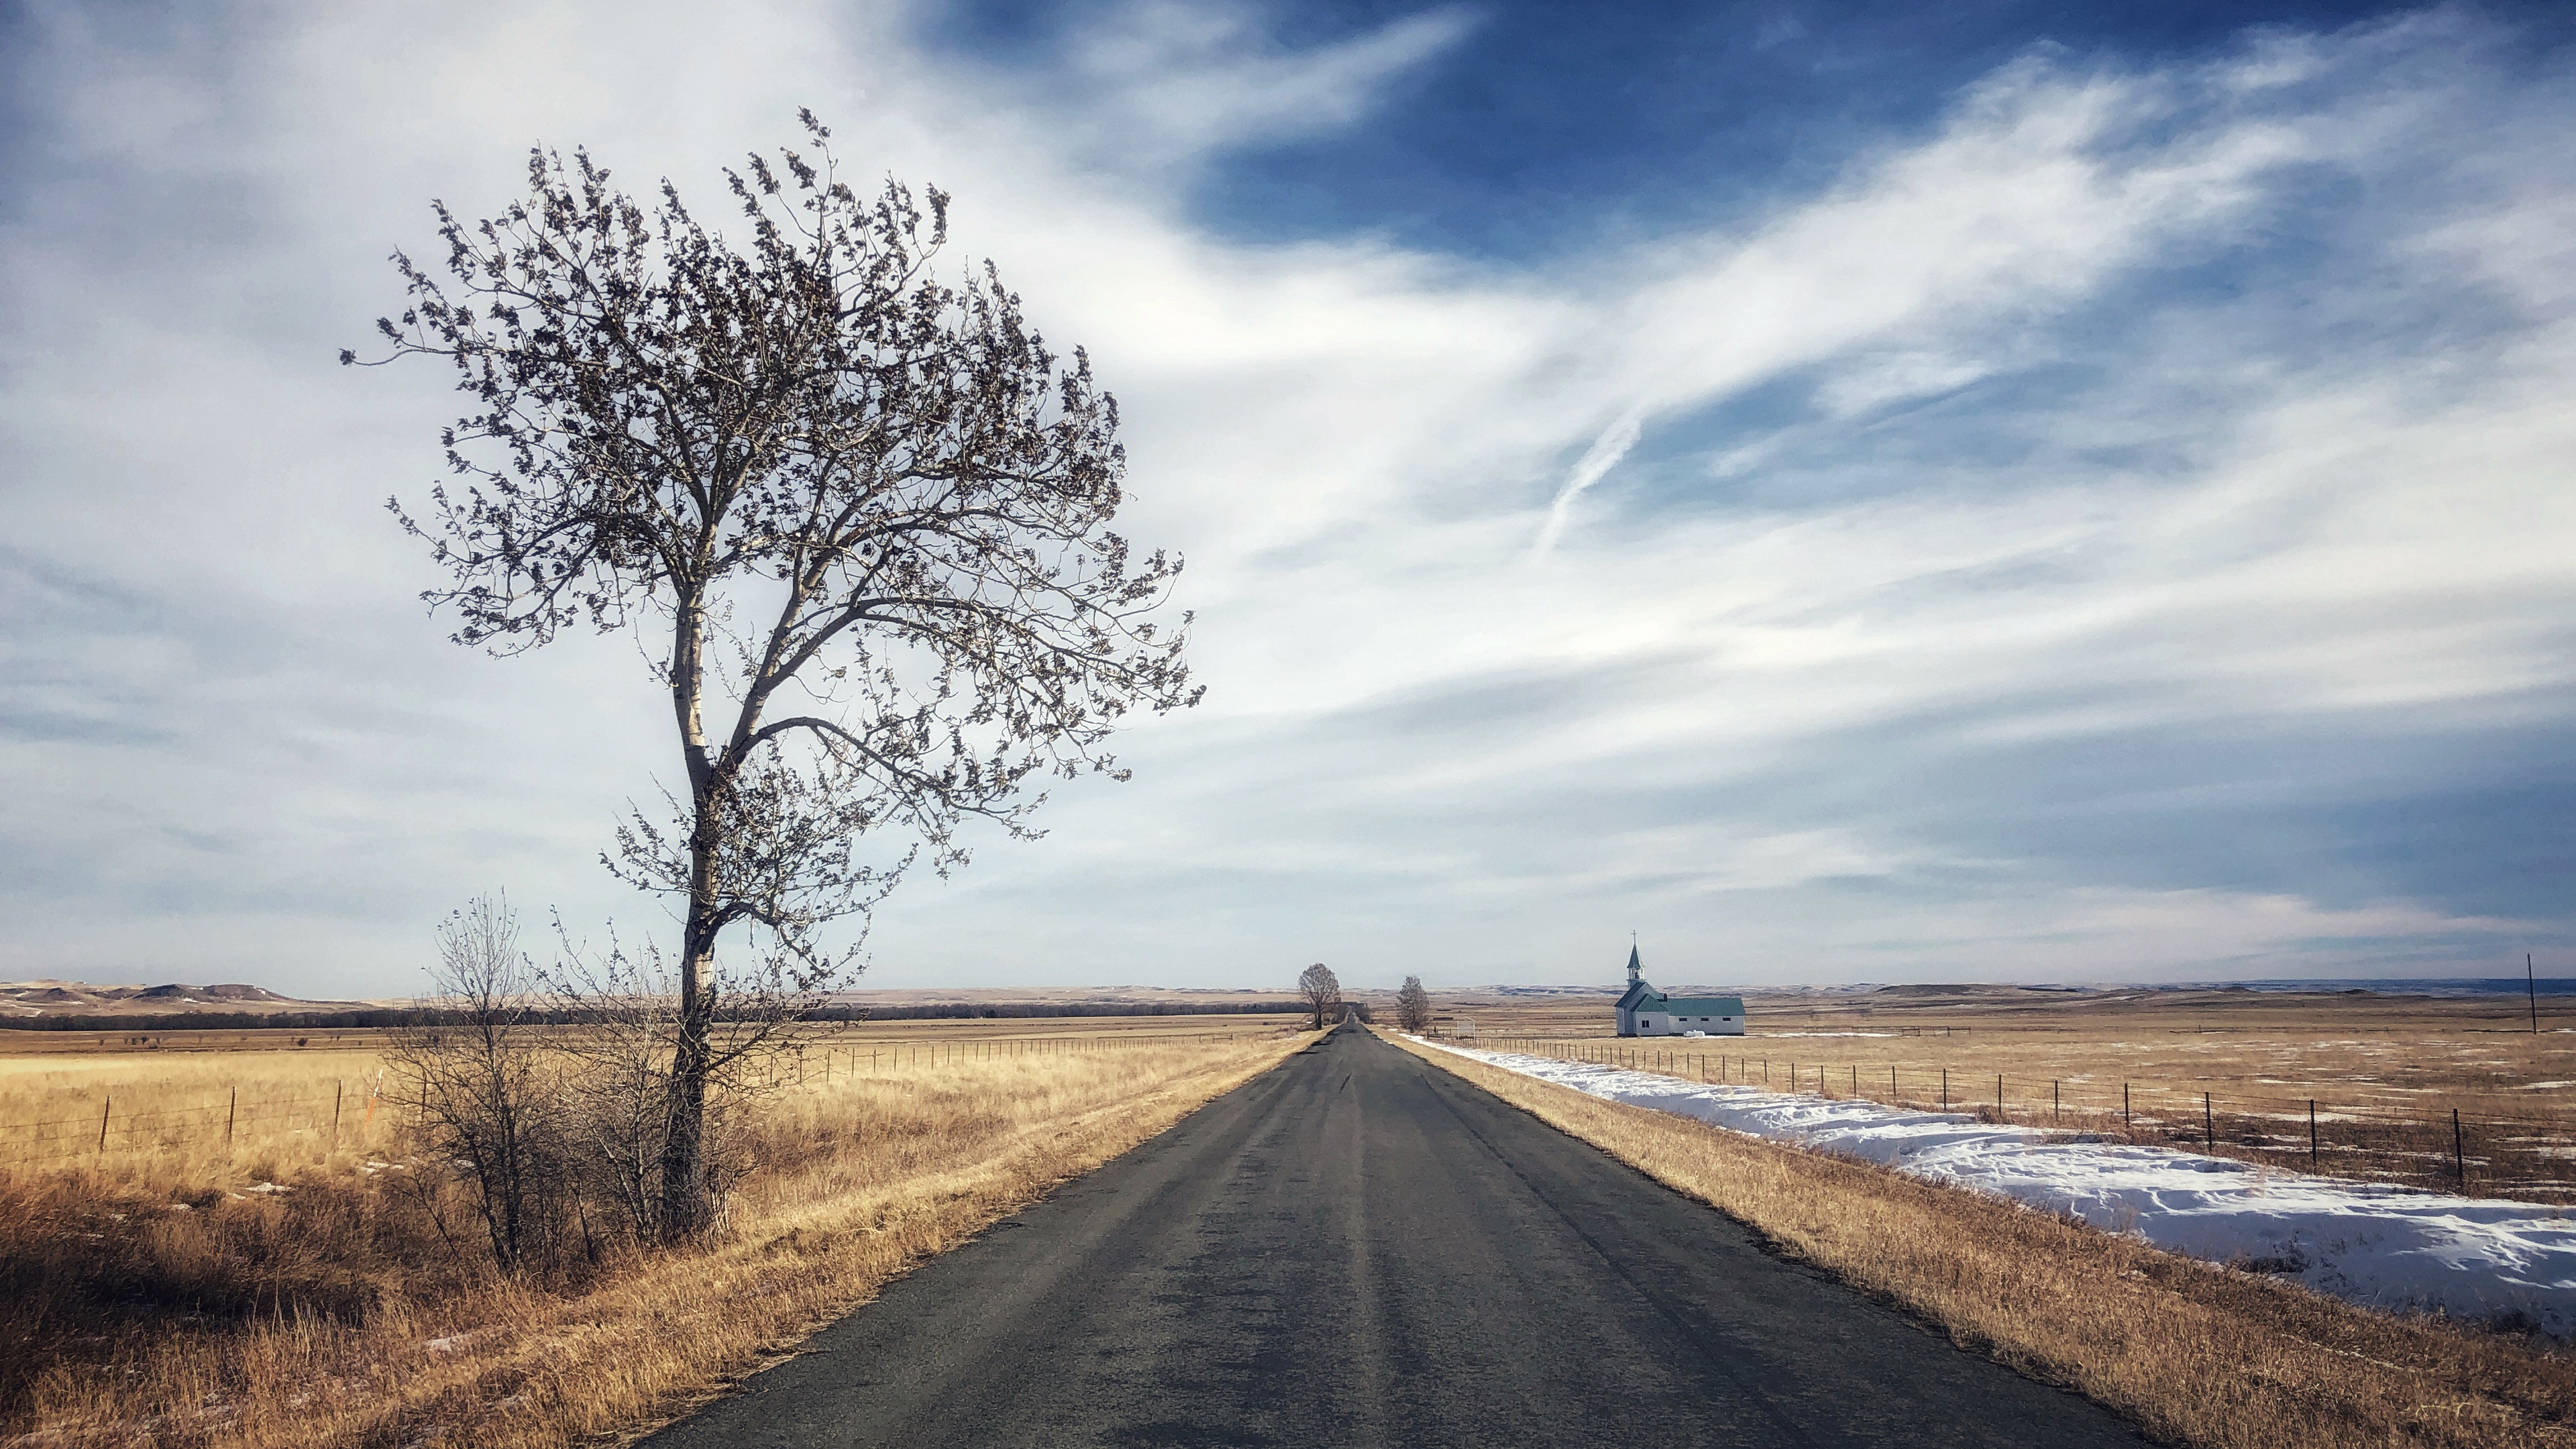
x=1635 y=970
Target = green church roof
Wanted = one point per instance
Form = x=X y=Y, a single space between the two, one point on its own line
x=1695 y=1005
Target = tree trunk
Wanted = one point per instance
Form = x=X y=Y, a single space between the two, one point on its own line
x=685 y=1209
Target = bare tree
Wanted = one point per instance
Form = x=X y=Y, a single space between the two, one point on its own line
x=473 y=1069
x=875 y=498
x=1321 y=990
x=1413 y=1006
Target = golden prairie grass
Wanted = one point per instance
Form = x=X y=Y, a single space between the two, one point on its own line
x=158 y=1301
x=2197 y=1355
x=218 y=1116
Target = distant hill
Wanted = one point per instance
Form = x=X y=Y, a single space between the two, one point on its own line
x=24 y=999
x=178 y=1006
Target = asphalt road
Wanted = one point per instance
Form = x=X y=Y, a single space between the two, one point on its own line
x=1359 y=1249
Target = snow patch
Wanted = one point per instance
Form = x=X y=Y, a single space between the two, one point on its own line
x=2383 y=1247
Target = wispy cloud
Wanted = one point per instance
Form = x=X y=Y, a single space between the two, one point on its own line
x=1164 y=83
x=1596 y=462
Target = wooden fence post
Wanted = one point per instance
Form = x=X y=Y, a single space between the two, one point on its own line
x=1945 y=1089
x=2459 y=1149
x=2208 y=1124
x=2312 y=1132
x=103 y=1104
x=338 y=1089
x=2128 y=1116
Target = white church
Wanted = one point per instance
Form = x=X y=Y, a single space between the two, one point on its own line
x=1644 y=1011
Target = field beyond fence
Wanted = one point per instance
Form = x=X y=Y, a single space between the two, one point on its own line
x=193 y=1108
x=2460 y=1144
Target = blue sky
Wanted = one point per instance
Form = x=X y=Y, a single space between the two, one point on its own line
x=2005 y=491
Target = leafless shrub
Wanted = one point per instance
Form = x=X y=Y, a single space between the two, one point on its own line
x=550 y=1093
x=475 y=1073
x=624 y=1045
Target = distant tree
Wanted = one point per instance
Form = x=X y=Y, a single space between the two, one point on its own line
x=876 y=500
x=1321 y=990
x=1413 y=1006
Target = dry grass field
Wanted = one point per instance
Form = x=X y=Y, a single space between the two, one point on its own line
x=2198 y=1355
x=2233 y=1072
x=288 y=1288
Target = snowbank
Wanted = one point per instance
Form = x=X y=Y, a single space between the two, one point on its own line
x=2386 y=1247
